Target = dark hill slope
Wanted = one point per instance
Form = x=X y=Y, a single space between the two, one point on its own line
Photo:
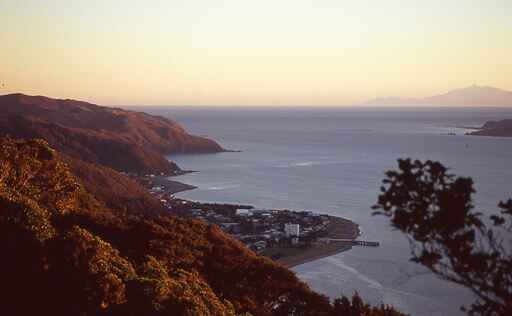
x=114 y=189
x=66 y=253
x=123 y=140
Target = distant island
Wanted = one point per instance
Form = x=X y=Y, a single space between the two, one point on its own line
x=469 y=96
x=502 y=128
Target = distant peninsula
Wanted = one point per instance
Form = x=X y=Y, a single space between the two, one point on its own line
x=502 y=128
x=124 y=140
x=469 y=96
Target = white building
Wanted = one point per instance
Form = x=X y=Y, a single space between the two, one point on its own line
x=291 y=230
x=243 y=212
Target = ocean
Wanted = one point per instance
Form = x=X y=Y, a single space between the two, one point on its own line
x=332 y=160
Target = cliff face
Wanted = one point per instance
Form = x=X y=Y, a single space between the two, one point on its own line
x=123 y=140
x=501 y=128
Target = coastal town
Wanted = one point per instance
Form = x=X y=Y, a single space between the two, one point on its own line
x=283 y=235
x=257 y=228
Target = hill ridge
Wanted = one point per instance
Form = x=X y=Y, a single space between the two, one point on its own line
x=474 y=95
x=121 y=139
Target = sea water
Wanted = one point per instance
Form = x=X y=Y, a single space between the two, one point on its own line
x=333 y=161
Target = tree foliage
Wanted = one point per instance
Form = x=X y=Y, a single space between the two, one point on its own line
x=160 y=292
x=57 y=260
x=435 y=210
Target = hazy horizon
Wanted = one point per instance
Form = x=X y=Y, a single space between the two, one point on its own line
x=299 y=107
x=325 y=53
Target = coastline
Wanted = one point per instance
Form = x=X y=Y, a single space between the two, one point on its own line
x=338 y=228
x=162 y=184
x=171 y=186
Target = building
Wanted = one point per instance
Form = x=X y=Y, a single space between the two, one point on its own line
x=243 y=212
x=231 y=227
x=291 y=230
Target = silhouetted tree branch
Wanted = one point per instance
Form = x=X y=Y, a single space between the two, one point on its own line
x=435 y=210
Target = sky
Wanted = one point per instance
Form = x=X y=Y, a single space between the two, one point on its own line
x=252 y=52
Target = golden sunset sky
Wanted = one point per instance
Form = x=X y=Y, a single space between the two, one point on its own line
x=252 y=52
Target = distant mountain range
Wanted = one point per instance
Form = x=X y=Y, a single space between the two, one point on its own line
x=471 y=96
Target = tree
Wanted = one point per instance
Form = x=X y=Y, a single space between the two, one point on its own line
x=435 y=210
x=157 y=291
x=95 y=273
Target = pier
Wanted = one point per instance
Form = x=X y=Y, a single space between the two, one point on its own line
x=363 y=243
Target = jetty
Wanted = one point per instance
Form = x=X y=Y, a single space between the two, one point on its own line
x=354 y=242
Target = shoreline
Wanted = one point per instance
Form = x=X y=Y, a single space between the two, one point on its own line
x=163 y=183
x=172 y=186
x=339 y=228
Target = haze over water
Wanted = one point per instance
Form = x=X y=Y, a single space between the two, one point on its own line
x=332 y=161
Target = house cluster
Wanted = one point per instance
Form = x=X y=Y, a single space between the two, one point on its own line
x=257 y=228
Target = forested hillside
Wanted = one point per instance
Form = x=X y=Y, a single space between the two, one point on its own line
x=68 y=252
